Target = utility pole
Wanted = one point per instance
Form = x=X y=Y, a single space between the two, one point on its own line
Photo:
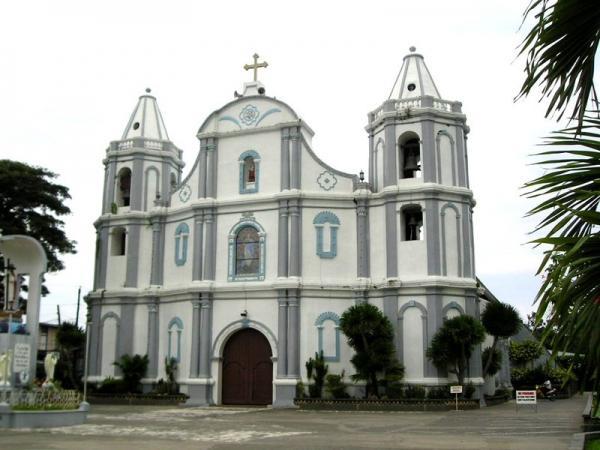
x=58 y=313
x=78 y=301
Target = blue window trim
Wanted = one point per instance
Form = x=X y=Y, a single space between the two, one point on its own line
x=319 y=323
x=182 y=233
x=334 y=223
x=232 y=276
x=176 y=324
x=256 y=157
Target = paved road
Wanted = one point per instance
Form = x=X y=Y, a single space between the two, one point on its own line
x=156 y=428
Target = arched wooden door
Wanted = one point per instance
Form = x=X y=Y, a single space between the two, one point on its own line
x=247 y=369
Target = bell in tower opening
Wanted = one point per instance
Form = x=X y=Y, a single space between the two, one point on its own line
x=412 y=159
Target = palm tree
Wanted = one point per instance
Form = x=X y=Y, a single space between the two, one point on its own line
x=561 y=49
x=501 y=321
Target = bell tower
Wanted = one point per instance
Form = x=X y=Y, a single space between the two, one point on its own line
x=141 y=170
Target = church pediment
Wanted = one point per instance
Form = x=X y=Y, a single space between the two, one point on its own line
x=248 y=113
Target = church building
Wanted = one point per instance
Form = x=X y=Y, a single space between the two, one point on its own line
x=242 y=267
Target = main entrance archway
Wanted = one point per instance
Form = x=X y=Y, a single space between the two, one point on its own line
x=247 y=369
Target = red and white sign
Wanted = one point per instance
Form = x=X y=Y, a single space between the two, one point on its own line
x=526 y=398
x=456 y=389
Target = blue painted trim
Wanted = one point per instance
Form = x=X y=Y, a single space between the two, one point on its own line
x=267 y=113
x=176 y=323
x=256 y=157
x=334 y=222
x=182 y=233
x=232 y=276
x=230 y=119
x=319 y=323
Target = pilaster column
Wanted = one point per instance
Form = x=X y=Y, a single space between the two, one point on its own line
x=198 y=244
x=296 y=159
x=293 y=356
x=202 y=170
x=156 y=271
x=109 y=185
x=295 y=267
x=211 y=170
x=362 y=239
x=282 y=242
x=433 y=236
x=210 y=219
x=428 y=151
x=285 y=158
x=93 y=358
x=137 y=178
x=472 y=309
x=195 y=350
x=133 y=255
x=391 y=236
x=282 y=330
x=152 y=339
x=390 y=153
x=434 y=322
x=102 y=257
x=205 y=335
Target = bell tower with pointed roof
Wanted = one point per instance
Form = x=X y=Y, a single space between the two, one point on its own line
x=142 y=169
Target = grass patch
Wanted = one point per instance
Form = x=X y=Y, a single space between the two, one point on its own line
x=593 y=445
x=49 y=407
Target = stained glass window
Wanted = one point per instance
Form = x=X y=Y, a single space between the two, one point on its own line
x=247 y=246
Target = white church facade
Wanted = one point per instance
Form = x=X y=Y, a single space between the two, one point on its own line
x=242 y=268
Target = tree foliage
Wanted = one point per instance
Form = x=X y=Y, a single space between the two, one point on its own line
x=491 y=360
x=501 y=321
x=561 y=49
x=70 y=341
x=371 y=335
x=453 y=344
x=31 y=204
x=522 y=353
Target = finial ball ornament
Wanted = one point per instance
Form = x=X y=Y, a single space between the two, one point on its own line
x=148 y=90
x=413 y=49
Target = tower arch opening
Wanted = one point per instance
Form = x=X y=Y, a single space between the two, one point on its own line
x=124 y=187
x=409 y=155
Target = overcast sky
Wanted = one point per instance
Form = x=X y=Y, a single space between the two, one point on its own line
x=71 y=73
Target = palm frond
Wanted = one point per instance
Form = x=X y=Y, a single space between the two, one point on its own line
x=561 y=49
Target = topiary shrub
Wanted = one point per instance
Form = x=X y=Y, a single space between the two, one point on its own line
x=317 y=370
x=111 y=385
x=521 y=353
x=134 y=369
x=469 y=390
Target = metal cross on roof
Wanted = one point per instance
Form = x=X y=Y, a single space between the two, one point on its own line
x=256 y=65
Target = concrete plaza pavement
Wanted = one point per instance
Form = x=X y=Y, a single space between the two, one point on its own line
x=160 y=428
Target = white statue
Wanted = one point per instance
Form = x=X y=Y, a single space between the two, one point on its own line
x=49 y=365
x=5 y=368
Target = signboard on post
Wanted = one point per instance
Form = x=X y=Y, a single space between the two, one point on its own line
x=456 y=390
x=526 y=398
x=22 y=357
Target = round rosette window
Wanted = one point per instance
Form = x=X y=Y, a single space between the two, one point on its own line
x=249 y=114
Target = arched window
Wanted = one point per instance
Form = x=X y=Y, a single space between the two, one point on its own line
x=409 y=156
x=247 y=252
x=328 y=334
x=249 y=162
x=173 y=181
x=124 y=187
x=118 y=242
x=174 y=329
x=412 y=223
x=326 y=225
x=182 y=233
